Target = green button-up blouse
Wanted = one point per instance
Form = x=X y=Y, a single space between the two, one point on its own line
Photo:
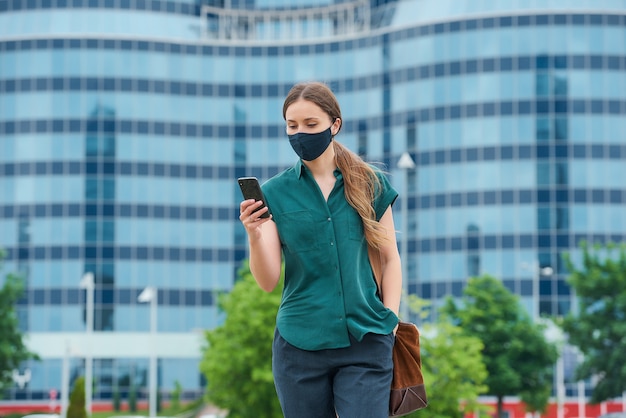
x=330 y=291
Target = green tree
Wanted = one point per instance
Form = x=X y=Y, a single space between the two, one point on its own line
x=237 y=358
x=159 y=400
x=175 y=397
x=518 y=357
x=116 y=400
x=599 y=326
x=454 y=373
x=132 y=398
x=76 y=408
x=13 y=351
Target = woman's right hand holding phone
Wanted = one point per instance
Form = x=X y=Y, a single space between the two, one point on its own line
x=251 y=218
x=265 y=251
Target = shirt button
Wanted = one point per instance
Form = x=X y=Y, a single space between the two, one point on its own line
x=332 y=243
x=328 y=219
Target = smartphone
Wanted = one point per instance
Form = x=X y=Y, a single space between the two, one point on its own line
x=251 y=189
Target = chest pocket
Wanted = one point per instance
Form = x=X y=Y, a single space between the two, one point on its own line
x=355 y=226
x=299 y=231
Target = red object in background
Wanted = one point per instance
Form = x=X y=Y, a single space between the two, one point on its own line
x=516 y=409
x=27 y=407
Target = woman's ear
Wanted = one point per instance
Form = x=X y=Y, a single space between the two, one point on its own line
x=336 y=126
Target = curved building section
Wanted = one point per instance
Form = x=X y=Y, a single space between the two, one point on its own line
x=124 y=125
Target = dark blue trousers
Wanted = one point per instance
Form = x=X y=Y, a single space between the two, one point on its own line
x=351 y=382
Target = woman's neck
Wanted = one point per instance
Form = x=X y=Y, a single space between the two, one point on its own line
x=324 y=164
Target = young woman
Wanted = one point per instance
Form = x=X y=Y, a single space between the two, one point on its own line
x=334 y=336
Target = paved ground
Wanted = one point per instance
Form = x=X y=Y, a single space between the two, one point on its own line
x=209 y=411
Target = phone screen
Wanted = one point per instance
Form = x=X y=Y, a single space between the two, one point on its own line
x=251 y=189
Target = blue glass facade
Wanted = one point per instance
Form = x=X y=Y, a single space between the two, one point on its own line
x=123 y=127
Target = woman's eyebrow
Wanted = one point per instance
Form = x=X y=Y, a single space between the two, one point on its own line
x=305 y=119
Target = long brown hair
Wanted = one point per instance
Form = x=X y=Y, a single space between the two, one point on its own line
x=360 y=180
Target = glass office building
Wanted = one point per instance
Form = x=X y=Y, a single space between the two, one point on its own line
x=124 y=124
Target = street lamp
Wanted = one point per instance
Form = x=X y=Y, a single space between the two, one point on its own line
x=554 y=334
x=405 y=163
x=149 y=294
x=537 y=273
x=87 y=282
x=65 y=377
x=580 y=390
x=21 y=379
x=543 y=271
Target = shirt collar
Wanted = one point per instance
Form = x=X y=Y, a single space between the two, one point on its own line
x=299 y=167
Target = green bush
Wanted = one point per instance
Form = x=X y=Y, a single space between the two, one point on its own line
x=76 y=409
x=132 y=399
x=116 y=401
x=175 y=397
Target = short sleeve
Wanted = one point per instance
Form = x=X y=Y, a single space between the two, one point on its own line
x=385 y=197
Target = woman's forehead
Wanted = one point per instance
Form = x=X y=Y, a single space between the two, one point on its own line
x=302 y=109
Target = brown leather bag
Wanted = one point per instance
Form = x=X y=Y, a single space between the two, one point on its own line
x=408 y=393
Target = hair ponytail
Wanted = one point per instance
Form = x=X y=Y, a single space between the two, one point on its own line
x=361 y=185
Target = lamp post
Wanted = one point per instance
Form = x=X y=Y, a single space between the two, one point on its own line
x=580 y=391
x=87 y=282
x=405 y=163
x=537 y=273
x=149 y=294
x=65 y=381
x=554 y=334
x=65 y=377
x=21 y=379
x=543 y=271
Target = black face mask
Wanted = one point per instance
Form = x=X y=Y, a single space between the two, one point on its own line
x=310 y=146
